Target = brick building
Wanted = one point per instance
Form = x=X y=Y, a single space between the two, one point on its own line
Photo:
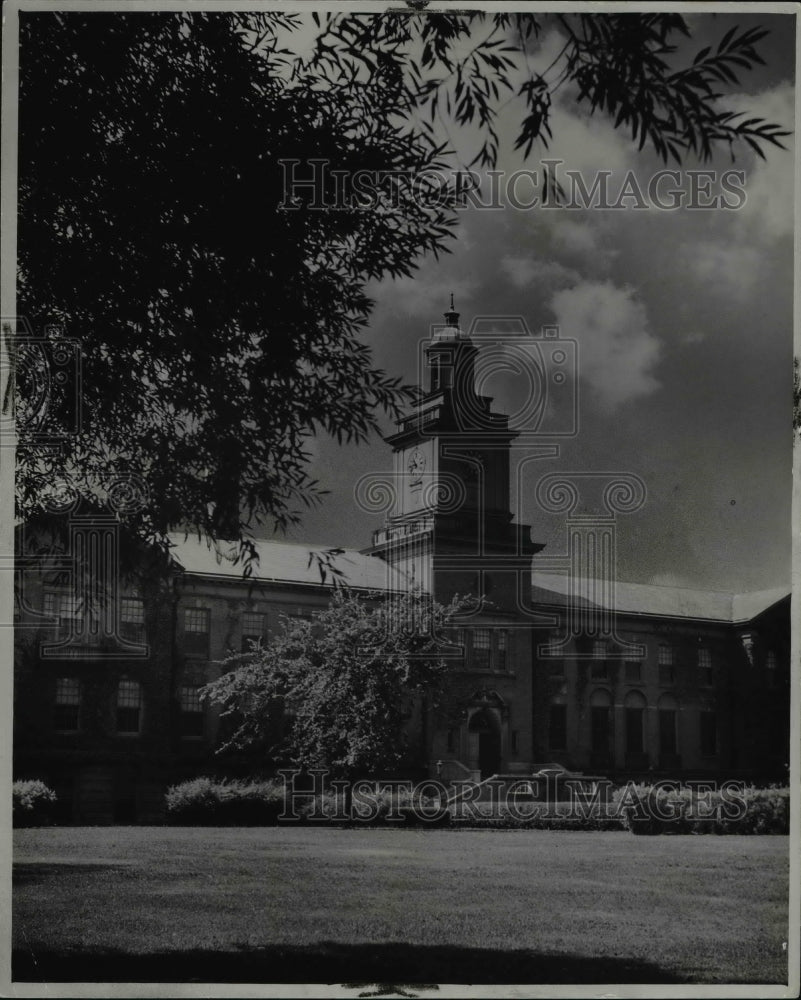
x=623 y=679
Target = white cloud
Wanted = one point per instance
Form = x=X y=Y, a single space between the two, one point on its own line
x=617 y=351
x=578 y=238
x=525 y=271
x=728 y=269
x=768 y=212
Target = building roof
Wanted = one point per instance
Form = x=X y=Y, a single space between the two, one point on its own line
x=748 y=606
x=668 y=602
x=284 y=562
x=293 y=563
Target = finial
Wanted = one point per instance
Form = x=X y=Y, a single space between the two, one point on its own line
x=451 y=316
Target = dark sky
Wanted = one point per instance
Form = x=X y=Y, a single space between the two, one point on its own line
x=684 y=327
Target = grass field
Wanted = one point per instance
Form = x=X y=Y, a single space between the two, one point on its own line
x=310 y=905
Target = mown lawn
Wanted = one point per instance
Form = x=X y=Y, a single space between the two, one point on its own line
x=325 y=905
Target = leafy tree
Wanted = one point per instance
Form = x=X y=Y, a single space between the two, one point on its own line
x=219 y=329
x=338 y=691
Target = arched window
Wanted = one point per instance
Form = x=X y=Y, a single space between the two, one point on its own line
x=601 y=722
x=708 y=725
x=557 y=726
x=635 y=722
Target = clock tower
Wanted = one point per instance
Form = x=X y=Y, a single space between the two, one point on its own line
x=451 y=526
x=451 y=530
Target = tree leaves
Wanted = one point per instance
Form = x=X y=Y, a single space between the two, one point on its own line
x=348 y=680
x=221 y=316
x=218 y=330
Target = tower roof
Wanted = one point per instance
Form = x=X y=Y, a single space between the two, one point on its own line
x=451 y=330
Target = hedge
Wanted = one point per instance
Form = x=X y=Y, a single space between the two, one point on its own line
x=642 y=809
x=221 y=802
x=648 y=810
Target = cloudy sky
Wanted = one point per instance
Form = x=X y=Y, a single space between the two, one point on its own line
x=683 y=321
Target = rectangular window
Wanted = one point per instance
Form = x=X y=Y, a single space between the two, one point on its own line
x=557 y=727
x=709 y=734
x=770 y=668
x=70 y=614
x=253 y=629
x=599 y=668
x=482 y=645
x=191 y=712
x=515 y=741
x=68 y=704
x=634 y=740
x=451 y=741
x=552 y=655
x=664 y=659
x=705 y=667
x=129 y=706
x=667 y=732
x=457 y=641
x=501 y=660
x=633 y=672
x=49 y=604
x=132 y=619
x=196 y=633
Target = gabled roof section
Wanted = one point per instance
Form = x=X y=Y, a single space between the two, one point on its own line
x=665 y=602
x=284 y=563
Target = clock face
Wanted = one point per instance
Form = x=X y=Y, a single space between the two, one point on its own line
x=417 y=464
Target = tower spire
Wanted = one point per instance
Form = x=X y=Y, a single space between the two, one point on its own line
x=451 y=316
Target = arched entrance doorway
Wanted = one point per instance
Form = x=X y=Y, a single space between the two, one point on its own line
x=485 y=729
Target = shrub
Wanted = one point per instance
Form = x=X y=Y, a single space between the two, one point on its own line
x=33 y=803
x=648 y=810
x=212 y=802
